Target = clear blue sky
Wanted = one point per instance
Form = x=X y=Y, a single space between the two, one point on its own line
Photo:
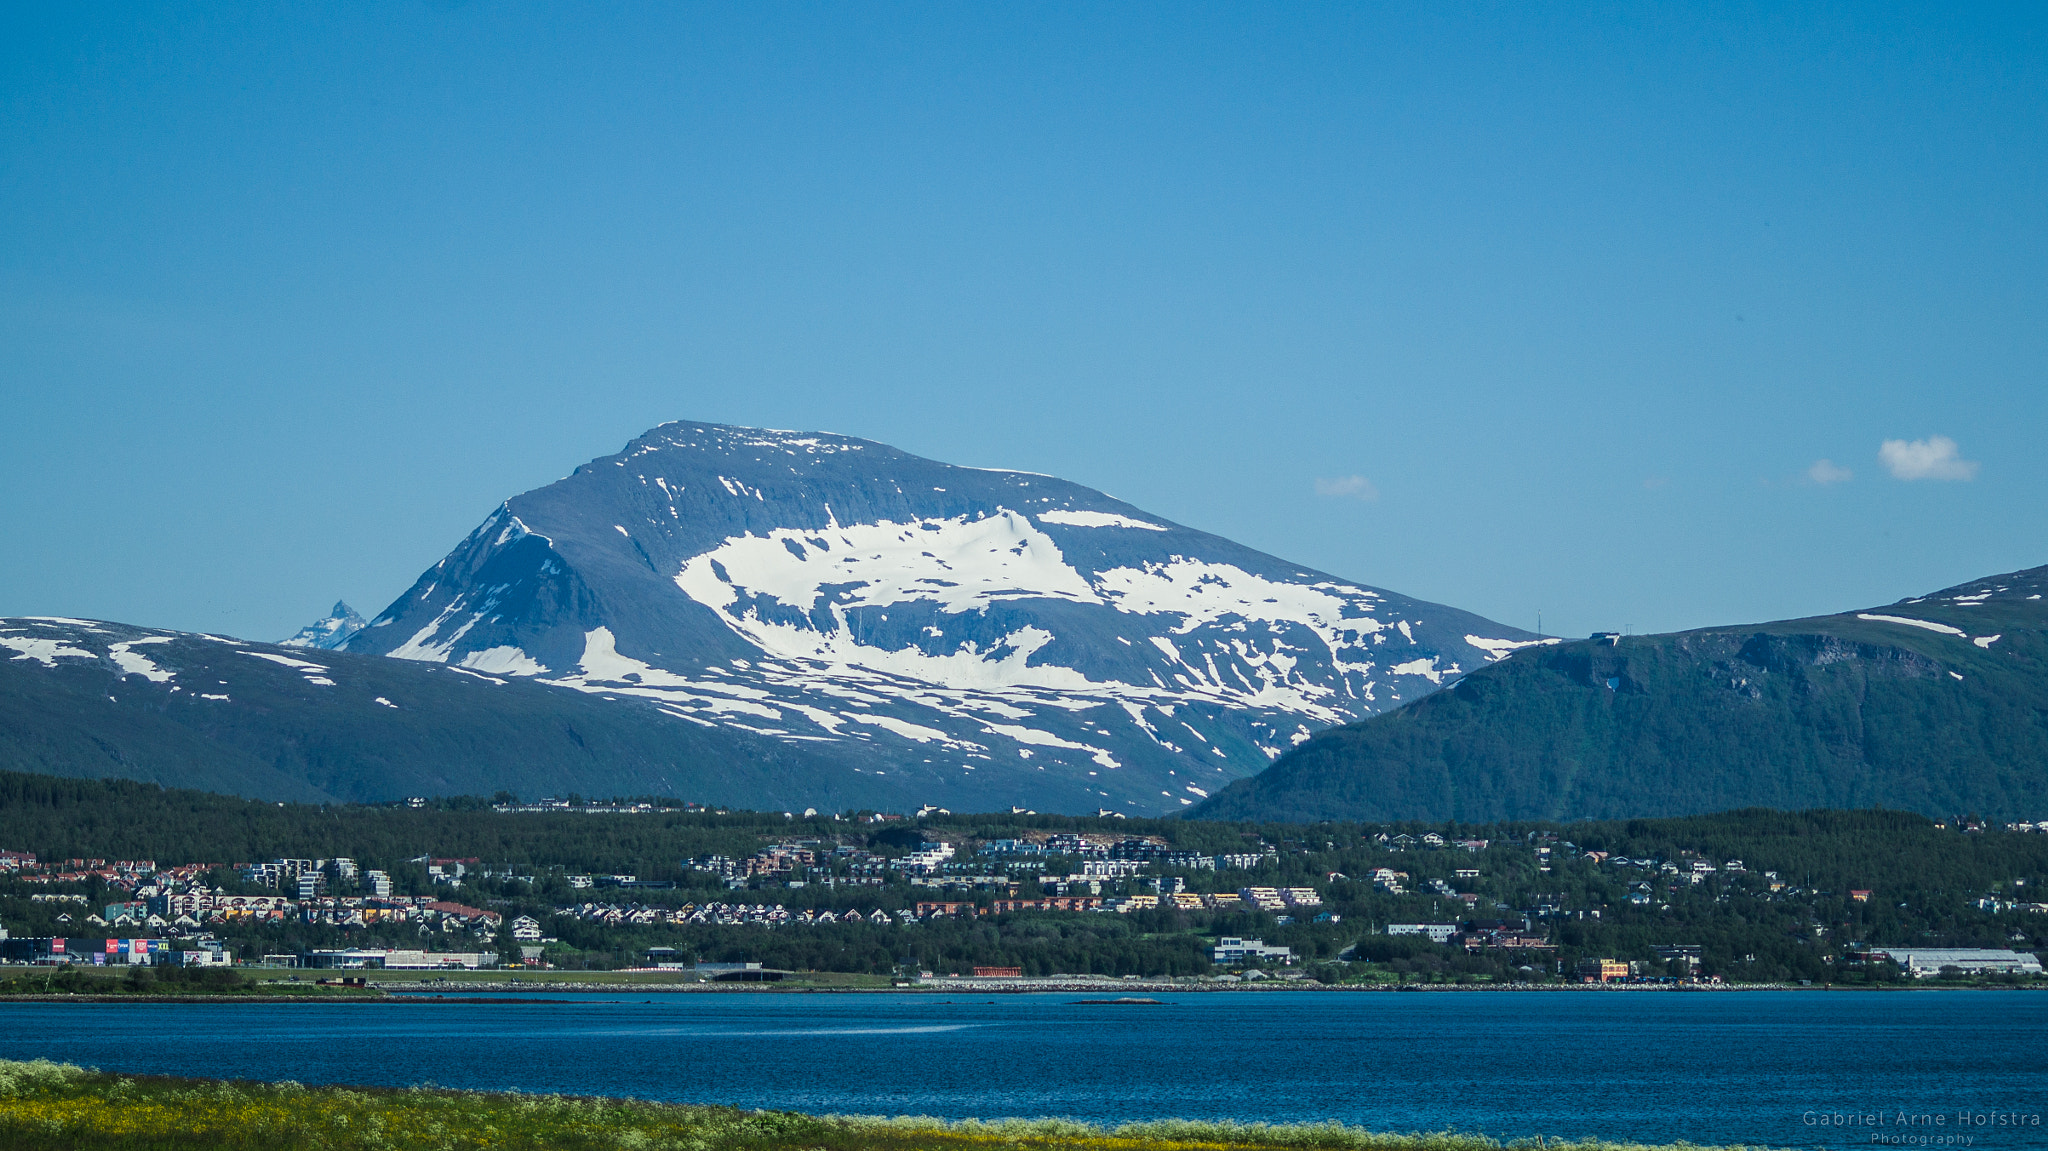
x=1519 y=308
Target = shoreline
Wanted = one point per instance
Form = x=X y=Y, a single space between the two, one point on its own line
x=1123 y=986
x=508 y=992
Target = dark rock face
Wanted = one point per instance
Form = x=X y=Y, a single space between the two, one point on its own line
x=982 y=637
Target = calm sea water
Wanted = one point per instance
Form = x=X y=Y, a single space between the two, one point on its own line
x=1732 y=1067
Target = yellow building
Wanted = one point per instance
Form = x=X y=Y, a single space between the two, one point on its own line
x=1601 y=970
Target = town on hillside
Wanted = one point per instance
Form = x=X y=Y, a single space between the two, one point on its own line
x=943 y=896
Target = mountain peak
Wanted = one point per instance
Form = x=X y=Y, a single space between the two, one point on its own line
x=1005 y=637
x=331 y=632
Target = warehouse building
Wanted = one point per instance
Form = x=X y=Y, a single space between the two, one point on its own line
x=1928 y=962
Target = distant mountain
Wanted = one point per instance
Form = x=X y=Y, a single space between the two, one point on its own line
x=1937 y=704
x=329 y=633
x=976 y=637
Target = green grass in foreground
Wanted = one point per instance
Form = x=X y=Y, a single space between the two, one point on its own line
x=49 y=1106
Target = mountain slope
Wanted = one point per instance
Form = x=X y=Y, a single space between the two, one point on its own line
x=87 y=699
x=984 y=632
x=1937 y=704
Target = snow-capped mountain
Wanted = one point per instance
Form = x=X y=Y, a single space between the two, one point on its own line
x=976 y=630
x=330 y=633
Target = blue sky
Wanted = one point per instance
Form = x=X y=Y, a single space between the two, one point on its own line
x=1515 y=307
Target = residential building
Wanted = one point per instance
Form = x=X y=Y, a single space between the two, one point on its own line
x=1231 y=950
x=1048 y=903
x=1263 y=898
x=1601 y=970
x=927 y=859
x=1437 y=932
x=1685 y=953
x=1071 y=885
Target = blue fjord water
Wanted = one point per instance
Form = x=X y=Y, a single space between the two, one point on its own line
x=1730 y=1067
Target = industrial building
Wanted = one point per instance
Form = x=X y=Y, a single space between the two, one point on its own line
x=1928 y=962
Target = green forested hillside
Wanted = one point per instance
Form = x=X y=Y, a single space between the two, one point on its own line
x=58 y=818
x=1937 y=705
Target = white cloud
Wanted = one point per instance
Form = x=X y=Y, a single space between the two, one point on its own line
x=1933 y=458
x=1348 y=487
x=1828 y=472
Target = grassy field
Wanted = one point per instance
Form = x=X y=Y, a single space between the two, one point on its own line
x=149 y=982
x=57 y=1107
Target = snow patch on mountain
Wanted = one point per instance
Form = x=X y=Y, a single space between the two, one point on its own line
x=44 y=651
x=1426 y=668
x=1086 y=519
x=603 y=669
x=423 y=646
x=315 y=673
x=132 y=662
x=1501 y=648
x=795 y=593
x=503 y=660
x=1045 y=739
x=294 y=664
x=1930 y=625
x=957 y=564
